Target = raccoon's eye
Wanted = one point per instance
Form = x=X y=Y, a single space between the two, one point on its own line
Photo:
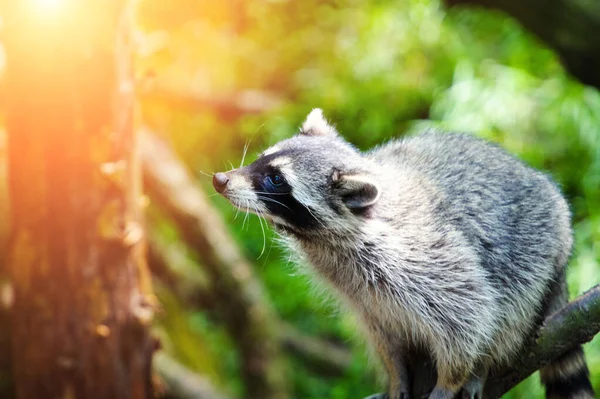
x=275 y=180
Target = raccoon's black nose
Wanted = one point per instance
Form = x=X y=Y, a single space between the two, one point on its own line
x=220 y=181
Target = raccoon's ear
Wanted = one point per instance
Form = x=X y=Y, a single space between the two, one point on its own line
x=316 y=125
x=356 y=190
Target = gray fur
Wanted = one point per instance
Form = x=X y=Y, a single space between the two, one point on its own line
x=438 y=241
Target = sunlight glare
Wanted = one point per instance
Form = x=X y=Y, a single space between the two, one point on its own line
x=47 y=4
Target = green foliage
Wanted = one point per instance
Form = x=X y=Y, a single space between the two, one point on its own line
x=187 y=335
x=379 y=69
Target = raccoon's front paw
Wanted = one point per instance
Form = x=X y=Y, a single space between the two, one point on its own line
x=473 y=390
x=471 y=395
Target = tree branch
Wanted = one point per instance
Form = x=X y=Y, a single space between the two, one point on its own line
x=322 y=356
x=226 y=106
x=182 y=383
x=238 y=294
x=170 y=264
x=575 y=324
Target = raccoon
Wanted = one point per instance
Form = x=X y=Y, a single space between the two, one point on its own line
x=438 y=241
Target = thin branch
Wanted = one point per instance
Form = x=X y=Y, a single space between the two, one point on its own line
x=575 y=324
x=322 y=356
x=182 y=383
x=169 y=263
x=226 y=106
x=238 y=294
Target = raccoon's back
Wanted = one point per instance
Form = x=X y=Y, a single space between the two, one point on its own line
x=513 y=215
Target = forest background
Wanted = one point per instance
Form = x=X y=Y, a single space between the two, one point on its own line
x=219 y=78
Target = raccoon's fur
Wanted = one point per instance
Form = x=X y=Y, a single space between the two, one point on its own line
x=438 y=241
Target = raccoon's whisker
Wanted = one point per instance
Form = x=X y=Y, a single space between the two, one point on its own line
x=245 y=215
x=313 y=215
x=265 y=192
x=270 y=247
x=205 y=174
x=244 y=153
x=230 y=165
x=240 y=207
x=259 y=214
x=237 y=212
x=246 y=146
x=272 y=200
x=260 y=127
x=247 y=206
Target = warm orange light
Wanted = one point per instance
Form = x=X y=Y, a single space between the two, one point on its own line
x=47 y=5
x=46 y=12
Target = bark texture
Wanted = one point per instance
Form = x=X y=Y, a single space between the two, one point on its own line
x=570 y=27
x=82 y=299
x=5 y=288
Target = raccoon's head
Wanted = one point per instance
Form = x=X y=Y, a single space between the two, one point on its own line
x=312 y=183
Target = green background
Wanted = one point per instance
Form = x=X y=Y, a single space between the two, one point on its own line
x=379 y=69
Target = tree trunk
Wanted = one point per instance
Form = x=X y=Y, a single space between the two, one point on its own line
x=82 y=299
x=5 y=289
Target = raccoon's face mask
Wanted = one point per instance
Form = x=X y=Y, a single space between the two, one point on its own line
x=303 y=184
